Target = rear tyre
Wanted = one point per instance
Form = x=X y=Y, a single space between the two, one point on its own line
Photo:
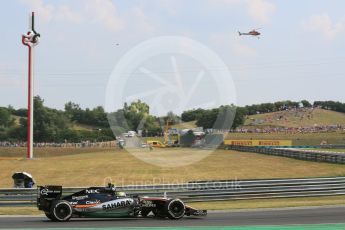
x=61 y=211
x=175 y=209
x=49 y=216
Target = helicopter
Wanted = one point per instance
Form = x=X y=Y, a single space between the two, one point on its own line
x=253 y=32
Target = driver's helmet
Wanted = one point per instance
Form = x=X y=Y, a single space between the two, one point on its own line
x=120 y=194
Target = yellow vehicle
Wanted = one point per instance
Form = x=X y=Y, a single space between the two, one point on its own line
x=156 y=144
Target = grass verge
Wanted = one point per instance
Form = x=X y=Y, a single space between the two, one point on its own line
x=20 y=211
x=90 y=169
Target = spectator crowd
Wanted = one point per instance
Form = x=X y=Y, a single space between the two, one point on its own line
x=83 y=144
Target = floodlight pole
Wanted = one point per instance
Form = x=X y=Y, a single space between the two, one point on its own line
x=30 y=39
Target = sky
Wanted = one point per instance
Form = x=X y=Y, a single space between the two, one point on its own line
x=174 y=54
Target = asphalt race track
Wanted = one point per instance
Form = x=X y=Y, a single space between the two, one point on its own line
x=297 y=216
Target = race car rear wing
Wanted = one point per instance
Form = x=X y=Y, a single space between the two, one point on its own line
x=47 y=194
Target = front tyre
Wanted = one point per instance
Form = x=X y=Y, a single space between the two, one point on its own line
x=175 y=209
x=61 y=211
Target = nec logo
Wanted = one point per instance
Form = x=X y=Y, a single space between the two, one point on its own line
x=92 y=191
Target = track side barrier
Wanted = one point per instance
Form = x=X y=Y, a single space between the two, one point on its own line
x=319 y=156
x=207 y=190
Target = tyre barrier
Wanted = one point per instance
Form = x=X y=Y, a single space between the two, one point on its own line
x=314 y=155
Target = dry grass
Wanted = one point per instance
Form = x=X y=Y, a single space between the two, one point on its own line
x=20 y=211
x=185 y=125
x=123 y=168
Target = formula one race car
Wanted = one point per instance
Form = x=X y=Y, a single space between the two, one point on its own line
x=105 y=202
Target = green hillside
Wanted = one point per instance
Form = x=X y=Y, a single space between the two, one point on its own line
x=296 y=118
x=290 y=118
x=300 y=118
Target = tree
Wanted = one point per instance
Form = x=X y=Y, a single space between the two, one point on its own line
x=11 y=109
x=172 y=118
x=306 y=104
x=187 y=139
x=96 y=116
x=208 y=119
x=20 y=112
x=224 y=117
x=20 y=132
x=239 y=117
x=152 y=126
x=331 y=105
x=117 y=122
x=6 y=119
x=47 y=122
x=137 y=115
x=42 y=129
x=99 y=117
x=73 y=111
x=192 y=115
